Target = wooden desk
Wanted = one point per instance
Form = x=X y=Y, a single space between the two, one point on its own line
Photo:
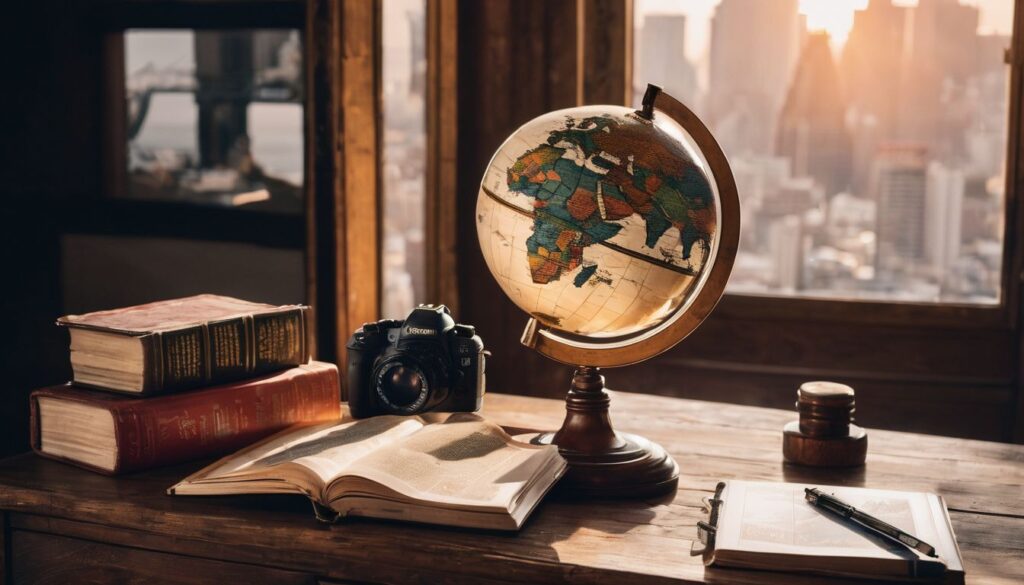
x=64 y=525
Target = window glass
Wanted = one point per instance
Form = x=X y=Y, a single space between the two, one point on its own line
x=867 y=138
x=404 y=70
x=215 y=117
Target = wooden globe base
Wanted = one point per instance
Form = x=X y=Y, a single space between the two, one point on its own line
x=603 y=463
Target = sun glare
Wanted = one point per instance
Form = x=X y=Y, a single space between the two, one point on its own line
x=832 y=16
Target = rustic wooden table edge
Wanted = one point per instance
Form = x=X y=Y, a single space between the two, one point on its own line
x=605 y=542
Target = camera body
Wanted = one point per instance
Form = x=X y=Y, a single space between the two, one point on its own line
x=427 y=362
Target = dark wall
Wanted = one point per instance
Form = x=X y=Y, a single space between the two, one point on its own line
x=65 y=247
x=49 y=158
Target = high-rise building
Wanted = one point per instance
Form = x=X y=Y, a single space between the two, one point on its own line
x=417 y=19
x=944 y=197
x=754 y=48
x=940 y=58
x=661 y=53
x=871 y=70
x=811 y=128
x=786 y=243
x=900 y=185
x=871 y=65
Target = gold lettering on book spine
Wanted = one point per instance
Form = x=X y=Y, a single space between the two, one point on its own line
x=227 y=349
x=279 y=339
x=181 y=357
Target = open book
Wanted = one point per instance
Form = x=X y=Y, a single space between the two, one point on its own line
x=453 y=469
x=762 y=525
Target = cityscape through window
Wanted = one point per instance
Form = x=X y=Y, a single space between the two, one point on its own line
x=404 y=164
x=215 y=117
x=867 y=137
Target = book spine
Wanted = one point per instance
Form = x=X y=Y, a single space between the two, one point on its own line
x=172 y=429
x=222 y=351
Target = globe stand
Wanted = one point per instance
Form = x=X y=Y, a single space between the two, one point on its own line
x=602 y=462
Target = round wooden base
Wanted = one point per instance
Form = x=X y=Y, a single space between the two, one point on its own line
x=602 y=462
x=844 y=451
x=637 y=468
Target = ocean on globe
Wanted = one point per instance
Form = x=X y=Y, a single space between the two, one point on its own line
x=598 y=222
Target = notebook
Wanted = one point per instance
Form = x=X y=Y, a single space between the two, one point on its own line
x=770 y=526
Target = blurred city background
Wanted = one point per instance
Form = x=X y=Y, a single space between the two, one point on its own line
x=867 y=138
x=404 y=172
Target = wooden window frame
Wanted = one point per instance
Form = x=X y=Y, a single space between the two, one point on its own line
x=343 y=132
x=339 y=227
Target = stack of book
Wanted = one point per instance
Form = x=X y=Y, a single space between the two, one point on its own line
x=177 y=380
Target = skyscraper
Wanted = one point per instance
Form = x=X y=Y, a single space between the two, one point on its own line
x=871 y=65
x=662 y=58
x=871 y=71
x=754 y=47
x=811 y=128
x=786 y=242
x=940 y=57
x=944 y=198
x=900 y=185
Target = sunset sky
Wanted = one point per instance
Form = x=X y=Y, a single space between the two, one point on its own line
x=833 y=16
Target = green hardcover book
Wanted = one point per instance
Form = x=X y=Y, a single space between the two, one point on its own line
x=186 y=343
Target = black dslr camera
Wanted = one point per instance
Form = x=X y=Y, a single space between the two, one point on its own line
x=426 y=362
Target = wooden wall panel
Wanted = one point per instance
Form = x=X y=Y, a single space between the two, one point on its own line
x=343 y=139
x=517 y=60
x=442 y=152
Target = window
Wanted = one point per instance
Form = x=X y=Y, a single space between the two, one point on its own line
x=215 y=117
x=867 y=138
x=404 y=157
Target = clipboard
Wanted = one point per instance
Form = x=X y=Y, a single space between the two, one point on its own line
x=948 y=569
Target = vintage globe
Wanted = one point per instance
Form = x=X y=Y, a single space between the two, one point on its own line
x=615 y=229
x=603 y=225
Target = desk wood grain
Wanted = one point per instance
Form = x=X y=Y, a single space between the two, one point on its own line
x=565 y=541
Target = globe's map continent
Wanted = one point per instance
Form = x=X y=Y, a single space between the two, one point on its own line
x=597 y=171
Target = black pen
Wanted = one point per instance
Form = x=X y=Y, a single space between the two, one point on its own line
x=840 y=508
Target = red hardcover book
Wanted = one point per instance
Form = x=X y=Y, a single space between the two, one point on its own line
x=114 y=434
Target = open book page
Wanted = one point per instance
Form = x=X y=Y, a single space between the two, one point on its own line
x=775 y=518
x=310 y=456
x=466 y=461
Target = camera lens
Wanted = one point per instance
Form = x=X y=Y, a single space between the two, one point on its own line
x=402 y=387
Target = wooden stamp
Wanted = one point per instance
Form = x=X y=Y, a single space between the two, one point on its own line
x=825 y=435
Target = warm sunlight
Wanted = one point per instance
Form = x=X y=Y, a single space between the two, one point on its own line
x=832 y=16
